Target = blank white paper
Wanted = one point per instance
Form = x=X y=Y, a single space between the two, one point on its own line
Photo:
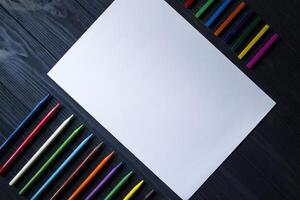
x=164 y=91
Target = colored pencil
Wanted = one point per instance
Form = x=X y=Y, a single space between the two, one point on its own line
x=188 y=3
x=149 y=195
x=133 y=190
x=234 y=13
x=29 y=138
x=48 y=163
x=24 y=123
x=90 y=177
x=237 y=26
x=203 y=8
x=104 y=181
x=217 y=13
x=253 y=41
x=263 y=50
x=76 y=172
x=36 y=156
x=60 y=169
x=118 y=187
x=246 y=33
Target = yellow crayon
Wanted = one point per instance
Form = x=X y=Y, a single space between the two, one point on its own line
x=133 y=190
x=253 y=41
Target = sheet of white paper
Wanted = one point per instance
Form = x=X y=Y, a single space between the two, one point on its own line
x=162 y=90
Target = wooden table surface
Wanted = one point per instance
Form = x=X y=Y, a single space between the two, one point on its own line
x=35 y=34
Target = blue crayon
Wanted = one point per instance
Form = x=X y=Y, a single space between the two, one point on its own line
x=24 y=123
x=217 y=13
x=61 y=167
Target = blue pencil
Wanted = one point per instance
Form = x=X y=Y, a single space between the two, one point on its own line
x=24 y=123
x=61 y=167
x=237 y=26
x=217 y=13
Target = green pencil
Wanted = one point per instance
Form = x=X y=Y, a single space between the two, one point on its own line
x=50 y=161
x=245 y=34
x=203 y=8
x=116 y=189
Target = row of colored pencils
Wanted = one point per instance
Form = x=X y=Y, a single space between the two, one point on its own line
x=245 y=25
x=88 y=181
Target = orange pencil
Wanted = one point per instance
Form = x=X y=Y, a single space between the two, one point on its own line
x=229 y=18
x=90 y=177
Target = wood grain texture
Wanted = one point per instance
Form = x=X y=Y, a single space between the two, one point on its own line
x=56 y=24
x=266 y=165
x=95 y=7
x=17 y=47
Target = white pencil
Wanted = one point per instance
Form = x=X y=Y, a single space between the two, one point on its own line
x=40 y=151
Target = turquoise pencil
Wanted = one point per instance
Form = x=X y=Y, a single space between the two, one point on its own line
x=61 y=167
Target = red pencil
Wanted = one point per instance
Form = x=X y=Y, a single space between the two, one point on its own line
x=26 y=142
x=76 y=172
x=188 y=3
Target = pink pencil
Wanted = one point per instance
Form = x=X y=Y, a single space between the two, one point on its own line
x=262 y=51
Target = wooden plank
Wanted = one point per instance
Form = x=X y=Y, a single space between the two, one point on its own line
x=9 y=192
x=95 y=7
x=55 y=24
x=18 y=48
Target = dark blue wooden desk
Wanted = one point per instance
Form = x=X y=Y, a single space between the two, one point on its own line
x=34 y=35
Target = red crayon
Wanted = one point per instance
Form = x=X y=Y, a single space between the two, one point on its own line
x=30 y=137
x=188 y=3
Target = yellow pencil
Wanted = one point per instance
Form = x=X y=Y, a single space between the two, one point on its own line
x=253 y=41
x=133 y=190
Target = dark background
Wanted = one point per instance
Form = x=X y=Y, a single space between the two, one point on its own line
x=35 y=34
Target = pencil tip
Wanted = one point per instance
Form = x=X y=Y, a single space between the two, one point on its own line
x=81 y=126
x=99 y=145
x=68 y=120
x=91 y=135
x=57 y=105
x=130 y=173
x=47 y=96
x=111 y=154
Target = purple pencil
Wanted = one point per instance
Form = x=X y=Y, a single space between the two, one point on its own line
x=237 y=26
x=104 y=181
x=262 y=51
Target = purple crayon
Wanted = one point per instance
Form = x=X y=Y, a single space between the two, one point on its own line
x=104 y=181
x=237 y=26
x=263 y=50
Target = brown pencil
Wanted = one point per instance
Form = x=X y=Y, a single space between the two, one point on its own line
x=76 y=172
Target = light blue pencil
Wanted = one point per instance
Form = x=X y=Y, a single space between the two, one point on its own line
x=61 y=167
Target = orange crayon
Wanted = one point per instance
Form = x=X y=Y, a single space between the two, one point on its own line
x=229 y=18
x=90 y=177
